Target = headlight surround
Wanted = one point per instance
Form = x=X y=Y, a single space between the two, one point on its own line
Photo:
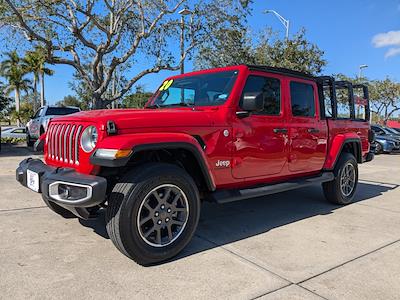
x=89 y=139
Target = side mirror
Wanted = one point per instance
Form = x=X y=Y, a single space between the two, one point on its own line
x=253 y=102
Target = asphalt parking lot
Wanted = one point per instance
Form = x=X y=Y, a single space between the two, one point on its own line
x=292 y=245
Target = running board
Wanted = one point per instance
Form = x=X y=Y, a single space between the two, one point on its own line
x=225 y=196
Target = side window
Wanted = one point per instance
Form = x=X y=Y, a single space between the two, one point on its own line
x=271 y=88
x=360 y=104
x=302 y=99
x=343 y=103
x=19 y=130
x=377 y=130
x=327 y=101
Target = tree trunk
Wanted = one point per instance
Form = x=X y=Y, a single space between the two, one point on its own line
x=42 y=102
x=35 y=78
x=17 y=99
x=98 y=103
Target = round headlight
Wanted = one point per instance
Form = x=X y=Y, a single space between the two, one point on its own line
x=89 y=139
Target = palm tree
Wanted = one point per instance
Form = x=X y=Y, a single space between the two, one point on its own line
x=35 y=62
x=32 y=64
x=13 y=71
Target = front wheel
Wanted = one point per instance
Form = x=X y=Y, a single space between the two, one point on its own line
x=378 y=148
x=341 y=190
x=29 y=141
x=153 y=213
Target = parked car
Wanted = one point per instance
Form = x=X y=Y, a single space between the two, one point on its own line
x=39 y=122
x=385 y=131
x=395 y=131
x=386 y=144
x=216 y=135
x=16 y=132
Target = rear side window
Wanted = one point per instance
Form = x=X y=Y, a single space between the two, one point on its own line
x=360 y=104
x=302 y=99
x=60 y=111
x=327 y=101
x=343 y=103
x=271 y=88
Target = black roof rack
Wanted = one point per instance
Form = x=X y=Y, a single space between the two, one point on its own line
x=282 y=71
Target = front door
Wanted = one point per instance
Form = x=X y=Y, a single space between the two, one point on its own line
x=308 y=133
x=260 y=140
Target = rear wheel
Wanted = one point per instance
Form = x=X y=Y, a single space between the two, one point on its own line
x=29 y=141
x=341 y=190
x=153 y=212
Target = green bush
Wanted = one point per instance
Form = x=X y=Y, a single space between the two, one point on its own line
x=10 y=140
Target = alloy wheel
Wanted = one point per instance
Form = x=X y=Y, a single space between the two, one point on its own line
x=347 y=179
x=163 y=215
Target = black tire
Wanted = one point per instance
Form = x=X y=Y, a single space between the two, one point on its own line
x=125 y=207
x=65 y=213
x=29 y=141
x=378 y=148
x=333 y=190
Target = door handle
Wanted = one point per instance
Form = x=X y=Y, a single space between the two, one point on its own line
x=280 y=130
x=313 y=130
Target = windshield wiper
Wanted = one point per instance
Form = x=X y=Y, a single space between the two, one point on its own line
x=178 y=104
x=153 y=106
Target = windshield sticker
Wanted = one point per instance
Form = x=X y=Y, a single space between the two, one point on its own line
x=167 y=83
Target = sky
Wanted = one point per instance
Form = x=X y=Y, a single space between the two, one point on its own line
x=351 y=33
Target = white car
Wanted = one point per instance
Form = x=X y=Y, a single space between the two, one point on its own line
x=14 y=132
x=38 y=124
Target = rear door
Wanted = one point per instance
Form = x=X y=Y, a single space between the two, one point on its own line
x=260 y=140
x=307 y=132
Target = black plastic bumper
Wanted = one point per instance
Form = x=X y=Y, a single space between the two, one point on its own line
x=370 y=156
x=49 y=175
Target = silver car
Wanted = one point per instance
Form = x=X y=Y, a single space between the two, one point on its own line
x=14 y=132
x=38 y=124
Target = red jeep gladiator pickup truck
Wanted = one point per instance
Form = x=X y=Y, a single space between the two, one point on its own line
x=219 y=135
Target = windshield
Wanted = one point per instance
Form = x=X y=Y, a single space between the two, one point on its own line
x=197 y=90
x=60 y=111
x=391 y=130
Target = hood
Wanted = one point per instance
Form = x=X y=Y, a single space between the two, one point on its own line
x=387 y=137
x=140 y=118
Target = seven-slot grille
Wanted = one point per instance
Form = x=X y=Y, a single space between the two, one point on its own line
x=63 y=142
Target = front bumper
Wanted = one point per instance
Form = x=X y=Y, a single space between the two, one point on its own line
x=51 y=177
x=370 y=155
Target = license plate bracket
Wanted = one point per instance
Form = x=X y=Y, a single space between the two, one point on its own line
x=32 y=180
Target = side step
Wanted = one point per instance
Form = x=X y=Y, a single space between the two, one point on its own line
x=225 y=196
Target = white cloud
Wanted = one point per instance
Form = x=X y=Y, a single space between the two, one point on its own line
x=391 y=38
x=392 y=52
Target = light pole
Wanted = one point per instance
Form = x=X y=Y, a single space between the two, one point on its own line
x=184 y=12
x=360 y=68
x=284 y=22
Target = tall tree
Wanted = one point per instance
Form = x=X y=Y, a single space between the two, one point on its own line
x=70 y=100
x=12 y=70
x=4 y=100
x=385 y=98
x=237 y=46
x=105 y=34
x=31 y=64
x=296 y=53
x=137 y=99
x=35 y=63
x=228 y=46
